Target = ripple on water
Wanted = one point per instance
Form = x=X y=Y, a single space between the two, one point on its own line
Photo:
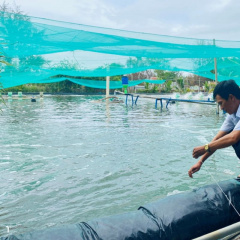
x=67 y=159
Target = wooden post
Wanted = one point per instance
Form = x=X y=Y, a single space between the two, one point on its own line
x=215 y=64
x=107 y=86
x=215 y=70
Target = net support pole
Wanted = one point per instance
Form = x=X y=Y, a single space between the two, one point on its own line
x=216 y=79
x=107 y=86
x=215 y=64
x=215 y=71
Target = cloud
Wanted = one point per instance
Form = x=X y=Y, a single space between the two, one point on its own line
x=220 y=5
x=219 y=19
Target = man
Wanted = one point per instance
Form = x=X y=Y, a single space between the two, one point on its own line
x=227 y=95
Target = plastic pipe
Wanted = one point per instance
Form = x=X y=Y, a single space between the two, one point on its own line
x=221 y=233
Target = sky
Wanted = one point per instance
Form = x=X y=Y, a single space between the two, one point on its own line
x=205 y=19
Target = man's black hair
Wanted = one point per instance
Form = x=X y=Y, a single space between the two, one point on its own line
x=224 y=88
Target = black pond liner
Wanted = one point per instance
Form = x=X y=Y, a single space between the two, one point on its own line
x=182 y=216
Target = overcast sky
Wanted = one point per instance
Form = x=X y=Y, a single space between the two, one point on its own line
x=219 y=19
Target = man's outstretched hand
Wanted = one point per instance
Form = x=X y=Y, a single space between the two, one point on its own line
x=195 y=168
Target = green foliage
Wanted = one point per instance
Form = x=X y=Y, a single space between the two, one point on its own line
x=27 y=88
x=2 y=63
x=167 y=75
x=66 y=65
x=14 y=23
x=207 y=87
x=33 y=61
x=168 y=87
x=1 y=97
x=170 y=77
x=116 y=78
x=147 y=86
x=180 y=83
x=155 y=88
x=56 y=88
x=212 y=85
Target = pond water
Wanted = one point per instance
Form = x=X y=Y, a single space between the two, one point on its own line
x=68 y=159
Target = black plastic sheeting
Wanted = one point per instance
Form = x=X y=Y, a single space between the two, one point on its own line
x=177 y=217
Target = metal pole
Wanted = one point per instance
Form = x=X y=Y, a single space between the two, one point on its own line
x=107 y=86
x=221 y=233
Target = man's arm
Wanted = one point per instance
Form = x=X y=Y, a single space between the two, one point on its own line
x=221 y=140
x=205 y=155
x=226 y=140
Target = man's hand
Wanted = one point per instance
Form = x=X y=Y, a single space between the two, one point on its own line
x=195 y=168
x=198 y=151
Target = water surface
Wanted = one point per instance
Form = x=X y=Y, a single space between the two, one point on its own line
x=67 y=159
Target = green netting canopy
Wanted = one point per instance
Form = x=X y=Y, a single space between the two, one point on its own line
x=41 y=49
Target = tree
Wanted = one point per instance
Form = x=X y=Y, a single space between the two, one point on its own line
x=206 y=86
x=197 y=80
x=167 y=75
x=147 y=74
x=170 y=77
x=168 y=87
x=19 y=29
x=180 y=83
x=2 y=63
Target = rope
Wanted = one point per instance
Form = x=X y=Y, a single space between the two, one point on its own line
x=223 y=192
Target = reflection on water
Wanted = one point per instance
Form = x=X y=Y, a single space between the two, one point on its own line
x=68 y=159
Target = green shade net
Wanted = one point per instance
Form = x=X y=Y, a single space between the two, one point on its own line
x=41 y=49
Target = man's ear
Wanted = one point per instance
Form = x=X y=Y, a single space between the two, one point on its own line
x=231 y=97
